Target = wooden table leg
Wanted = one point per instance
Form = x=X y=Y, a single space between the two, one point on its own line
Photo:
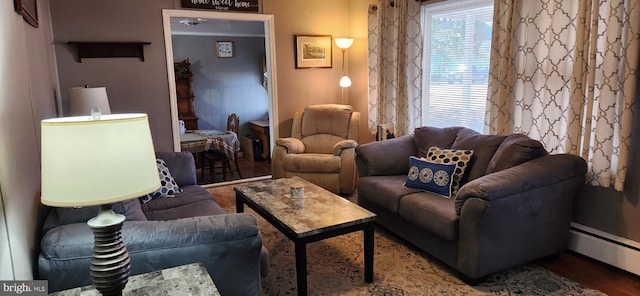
x=301 y=267
x=368 y=252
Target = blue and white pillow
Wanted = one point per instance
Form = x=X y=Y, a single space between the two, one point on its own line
x=168 y=185
x=430 y=176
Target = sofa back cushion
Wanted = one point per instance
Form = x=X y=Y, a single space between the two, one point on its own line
x=514 y=150
x=483 y=146
x=130 y=208
x=181 y=165
x=427 y=136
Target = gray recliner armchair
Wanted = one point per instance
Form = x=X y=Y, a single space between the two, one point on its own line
x=321 y=148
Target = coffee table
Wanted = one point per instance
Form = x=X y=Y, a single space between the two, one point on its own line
x=320 y=214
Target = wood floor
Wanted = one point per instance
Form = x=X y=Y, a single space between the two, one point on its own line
x=579 y=268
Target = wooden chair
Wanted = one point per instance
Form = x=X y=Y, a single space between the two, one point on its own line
x=213 y=156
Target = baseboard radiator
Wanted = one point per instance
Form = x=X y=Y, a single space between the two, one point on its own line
x=611 y=249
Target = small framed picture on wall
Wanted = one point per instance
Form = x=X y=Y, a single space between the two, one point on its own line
x=28 y=9
x=224 y=49
x=313 y=51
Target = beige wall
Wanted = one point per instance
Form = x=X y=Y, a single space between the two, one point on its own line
x=27 y=80
x=298 y=88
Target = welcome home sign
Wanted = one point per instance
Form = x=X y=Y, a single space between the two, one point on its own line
x=228 y=5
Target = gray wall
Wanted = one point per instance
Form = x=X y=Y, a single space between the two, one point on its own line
x=132 y=85
x=222 y=86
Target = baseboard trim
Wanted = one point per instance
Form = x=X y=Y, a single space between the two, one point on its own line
x=611 y=249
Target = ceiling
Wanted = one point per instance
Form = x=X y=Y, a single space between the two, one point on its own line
x=216 y=27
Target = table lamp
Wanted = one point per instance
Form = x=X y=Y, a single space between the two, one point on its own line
x=99 y=160
x=83 y=99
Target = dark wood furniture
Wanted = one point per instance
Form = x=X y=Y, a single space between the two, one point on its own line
x=260 y=130
x=184 y=93
x=305 y=220
x=213 y=156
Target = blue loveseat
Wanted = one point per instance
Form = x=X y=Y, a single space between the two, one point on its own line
x=514 y=205
x=165 y=232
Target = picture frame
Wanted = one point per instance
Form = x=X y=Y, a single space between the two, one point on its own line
x=29 y=10
x=313 y=51
x=224 y=49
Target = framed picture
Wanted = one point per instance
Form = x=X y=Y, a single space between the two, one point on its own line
x=224 y=49
x=313 y=51
x=28 y=9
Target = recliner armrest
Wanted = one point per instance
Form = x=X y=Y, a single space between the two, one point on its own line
x=537 y=173
x=344 y=144
x=292 y=145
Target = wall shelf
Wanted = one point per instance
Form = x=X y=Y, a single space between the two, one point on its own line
x=109 y=49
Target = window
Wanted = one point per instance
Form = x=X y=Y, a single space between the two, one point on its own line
x=457 y=46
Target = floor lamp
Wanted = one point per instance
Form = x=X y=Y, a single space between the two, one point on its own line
x=344 y=44
x=99 y=160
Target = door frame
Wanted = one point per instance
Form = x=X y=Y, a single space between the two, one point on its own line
x=270 y=53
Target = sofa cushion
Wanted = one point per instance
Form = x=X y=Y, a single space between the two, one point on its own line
x=384 y=191
x=182 y=166
x=431 y=212
x=430 y=176
x=326 y=119
x=460 y=158
x=168 y=185
x=427 y=136
x=130 y=208
x=312 y=163
x=514 y=150
x=483 y=146
x=193 y=201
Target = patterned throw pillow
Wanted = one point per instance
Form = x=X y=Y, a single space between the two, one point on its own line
x=460 y=158
x=168 y=185
x=430 y=176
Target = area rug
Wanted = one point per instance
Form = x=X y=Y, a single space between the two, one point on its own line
x=335 y=266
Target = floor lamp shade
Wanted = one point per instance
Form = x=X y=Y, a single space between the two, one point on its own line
x=95 y=162
x=83 y=99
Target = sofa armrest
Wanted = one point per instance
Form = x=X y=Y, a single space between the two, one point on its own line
x=181 y=165
x=516 y=215
x=229 y=245
x=384 y=158
x=537 y=173
x=342 y=145
x=292 y=145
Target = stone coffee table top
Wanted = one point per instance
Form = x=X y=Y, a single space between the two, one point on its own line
x=191 y=279
x=318 y=211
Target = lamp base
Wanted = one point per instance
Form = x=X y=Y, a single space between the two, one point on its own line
x=110 y=264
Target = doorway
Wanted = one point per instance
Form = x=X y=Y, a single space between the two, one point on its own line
x=223 y=23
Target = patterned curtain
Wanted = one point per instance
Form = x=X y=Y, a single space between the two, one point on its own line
x=564 y=72
x=395 y=59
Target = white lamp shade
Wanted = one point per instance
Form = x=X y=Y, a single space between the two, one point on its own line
x=345 y=81
x=93 y=162
x=83 y=99
x=344 y=43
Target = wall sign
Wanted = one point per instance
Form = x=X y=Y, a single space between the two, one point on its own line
x=229 y=5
